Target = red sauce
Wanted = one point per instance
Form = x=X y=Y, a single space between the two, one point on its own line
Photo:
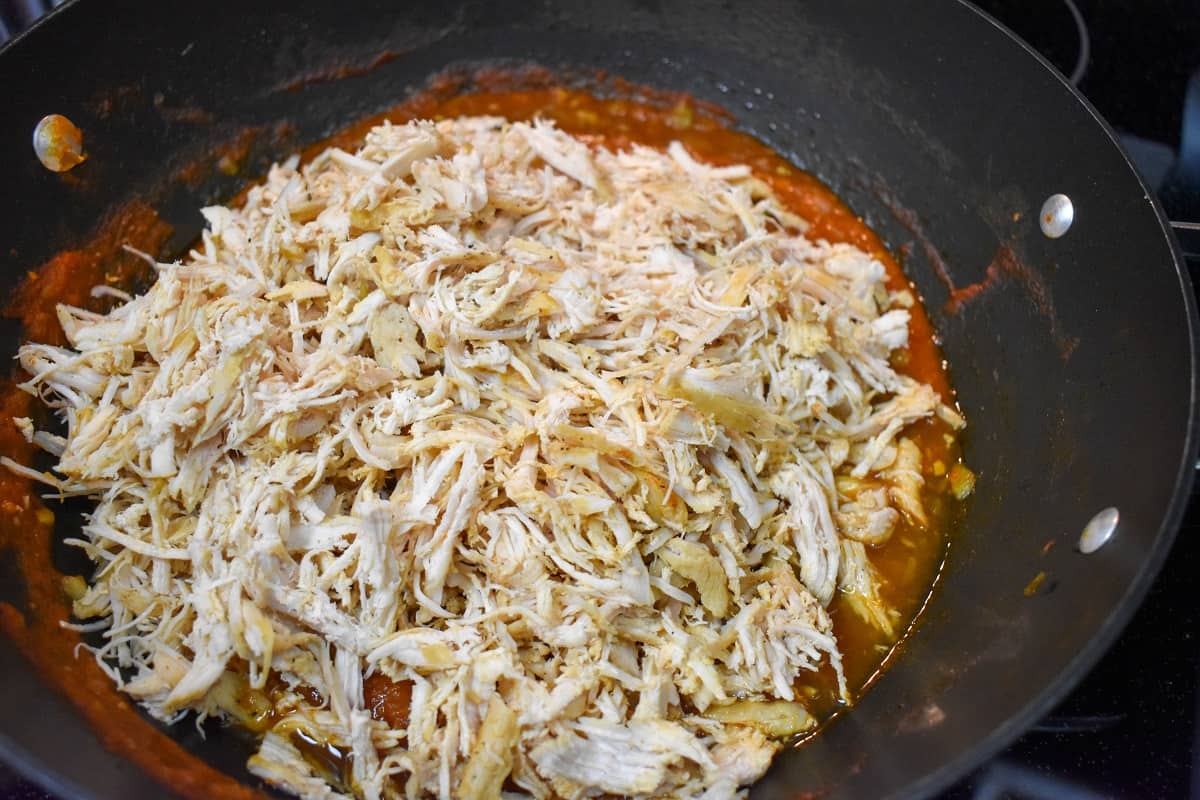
x=908 y=563
x=388 y=700
x=69 y=276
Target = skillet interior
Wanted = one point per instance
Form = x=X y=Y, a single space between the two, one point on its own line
x=1075 y=366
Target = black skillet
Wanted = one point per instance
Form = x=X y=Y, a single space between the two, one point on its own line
x=1076 y=367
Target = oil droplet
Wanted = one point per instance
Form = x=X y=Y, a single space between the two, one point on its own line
x=58 y=143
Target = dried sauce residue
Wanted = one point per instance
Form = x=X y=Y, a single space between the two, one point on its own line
x=114 y=99
x=340 y=71
x=965 y=295
x=1006 y=265
x=185 y=114
x=227 y=158
x=912 y=223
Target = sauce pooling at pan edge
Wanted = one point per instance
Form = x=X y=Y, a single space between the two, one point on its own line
x=601 y=452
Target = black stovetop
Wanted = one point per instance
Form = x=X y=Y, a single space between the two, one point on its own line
x=1132 y=728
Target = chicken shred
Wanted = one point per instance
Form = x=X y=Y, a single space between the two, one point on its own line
x=551 y=434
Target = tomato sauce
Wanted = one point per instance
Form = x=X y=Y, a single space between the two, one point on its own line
x=908 y=563
x=388 y=700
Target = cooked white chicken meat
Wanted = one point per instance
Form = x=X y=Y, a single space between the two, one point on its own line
x=580 y=445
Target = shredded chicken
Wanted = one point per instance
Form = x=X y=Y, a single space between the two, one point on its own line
x=579 y=445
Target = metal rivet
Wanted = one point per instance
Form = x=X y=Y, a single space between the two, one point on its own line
x=1099 y=530
x=58 y=143
x=1057 y=215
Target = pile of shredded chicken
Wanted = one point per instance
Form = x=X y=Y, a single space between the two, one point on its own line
x=578 y=444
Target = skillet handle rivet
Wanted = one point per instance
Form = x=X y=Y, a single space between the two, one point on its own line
x=58 y=143
x=1058 y=212
x=1099 y=530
